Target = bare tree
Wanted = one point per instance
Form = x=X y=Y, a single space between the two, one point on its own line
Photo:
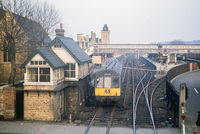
x=21 y=31
x=47 y=16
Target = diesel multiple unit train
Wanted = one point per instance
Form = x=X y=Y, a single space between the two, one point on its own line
x=108 y=82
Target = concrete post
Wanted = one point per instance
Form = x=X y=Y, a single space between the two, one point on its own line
x=175 y=57
x=70 y=118
x=181 y=101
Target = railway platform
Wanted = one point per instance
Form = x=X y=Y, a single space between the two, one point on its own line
x=162 y=69
x=65 y=128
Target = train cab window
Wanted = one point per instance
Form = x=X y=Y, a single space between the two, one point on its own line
x=107 y=82
x=115 y=82
x=100 y=82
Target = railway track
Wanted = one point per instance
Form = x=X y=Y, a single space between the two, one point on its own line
x=142 y=95
x=103 y=116
x=139 y=105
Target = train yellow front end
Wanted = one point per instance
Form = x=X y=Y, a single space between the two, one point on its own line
x=108 y=82
x=107 y=92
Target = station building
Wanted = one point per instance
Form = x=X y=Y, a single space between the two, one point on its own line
x=52 y=79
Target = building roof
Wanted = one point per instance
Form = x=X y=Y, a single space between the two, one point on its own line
x=33 y=30
x=90 y=39
x=72 y=48
x=105 y=27
x=49 y=56
x=97 y=40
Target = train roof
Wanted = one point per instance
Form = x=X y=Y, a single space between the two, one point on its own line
x=112 y=65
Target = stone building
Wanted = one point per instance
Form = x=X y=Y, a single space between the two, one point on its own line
x=105 y=35
x=32 y=35
x=86 y=41
x=51 y=77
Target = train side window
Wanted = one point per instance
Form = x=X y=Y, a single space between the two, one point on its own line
x=115 y=82
x=100 y=82
x=107 y=82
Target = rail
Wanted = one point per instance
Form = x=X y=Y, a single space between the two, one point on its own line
x=110 y=122
x=141 y=69
x=91 y=123
x=126 y=62
x=127 y=82
x=145 y=91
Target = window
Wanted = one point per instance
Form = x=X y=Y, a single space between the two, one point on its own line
x=35 y=73
x=70 y=70
x=40 y=62
x=6 y=56
x=115 y=82
x=44 y=74
x=107 y=82
x=32 y=74
x=99 y=82
x=57 y=74
x=73 y=70
x=57 y=45
x=32 y=62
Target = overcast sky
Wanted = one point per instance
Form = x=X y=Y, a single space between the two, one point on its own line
x=133 y=21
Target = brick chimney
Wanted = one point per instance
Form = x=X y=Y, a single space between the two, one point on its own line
x=60 y=31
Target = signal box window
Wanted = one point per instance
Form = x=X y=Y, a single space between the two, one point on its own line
x=44 y=74
x=32 y=74
x=70 y=70
x=35 y=73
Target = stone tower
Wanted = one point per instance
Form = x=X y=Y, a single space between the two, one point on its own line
x=105 y=35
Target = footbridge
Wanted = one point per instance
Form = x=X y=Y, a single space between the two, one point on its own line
x=110 y=49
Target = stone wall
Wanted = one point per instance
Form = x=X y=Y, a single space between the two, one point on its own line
x=71 y=101
x=7 y=102
x=58 y=105
x=1 y=103
x=172 y=73
x=37 y=106
x=48 y=106
x=75 y=97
